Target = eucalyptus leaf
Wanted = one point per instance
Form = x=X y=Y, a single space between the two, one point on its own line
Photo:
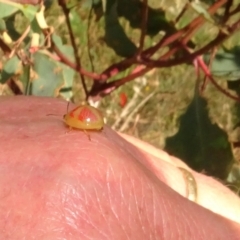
x=115 y=36
x=2 y=25
x=7 y=10
x=66 y=49
x=29 y=11
x=48 y=76
x=200 y=143
x=201 y=10
x=11 y=68
x=156 y=21
x=226 y=64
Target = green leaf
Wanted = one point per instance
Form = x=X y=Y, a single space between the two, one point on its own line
x=68 y=77
x=115 y=36
x=7 y=10
x=67 y=72
x=35 y=27
x=78 y=26
x=202 y=11
x=132 y=11
x=201 y=144
x=226 y=64
x=49 y=78
x=11 y=68
x=29 y=11
x=53 y=76
x=2 y=25
x=66 y=49
x=88 y=3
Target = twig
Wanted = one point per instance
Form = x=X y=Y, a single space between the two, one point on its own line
x=136 y=109
x=116 y=68
x=172 y=62
x=236 y=10
x=169 y=63
x=178 y=35
x=208 y=74
x=68 y=62
x=143 y=25
x=204 y=84
x=135 y=122
x=107 y=88
x=127 y=109
x=77 y=58
x=165 y=41
x=19 y=41
x=88 y=37
x=227 y=11
x=198 y=61
x=181 y=13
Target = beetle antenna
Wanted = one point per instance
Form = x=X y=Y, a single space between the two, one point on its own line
x=67 y=107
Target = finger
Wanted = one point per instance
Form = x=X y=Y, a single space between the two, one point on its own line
x=211 y=194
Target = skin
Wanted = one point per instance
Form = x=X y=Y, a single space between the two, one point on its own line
x=56 y=184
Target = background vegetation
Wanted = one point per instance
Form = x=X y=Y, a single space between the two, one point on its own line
x=164 y=71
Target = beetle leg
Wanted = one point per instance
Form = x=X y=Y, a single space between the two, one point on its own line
x=87 y=133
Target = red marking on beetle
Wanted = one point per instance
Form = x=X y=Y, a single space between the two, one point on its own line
x=87 y=115
x=84 y=118
x=72 y=113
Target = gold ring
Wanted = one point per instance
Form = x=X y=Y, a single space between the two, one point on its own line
x=191 y=184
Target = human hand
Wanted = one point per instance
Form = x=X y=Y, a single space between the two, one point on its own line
x=56 y=184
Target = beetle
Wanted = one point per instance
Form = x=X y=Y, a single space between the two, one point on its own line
x=84 y=117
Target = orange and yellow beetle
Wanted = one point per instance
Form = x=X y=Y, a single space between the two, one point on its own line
x=84 y=117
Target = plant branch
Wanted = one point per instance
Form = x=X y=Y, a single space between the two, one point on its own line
x=65 y=60
x=236 y=10
x=227 y=11
x=107 y=88
x=165 y=41
x=88 y=37
x=143 y=25
x=197 y=22
x=209 y=64
x=181 y=13
x=212 y=80
x=66 y=12
x=172 y=62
